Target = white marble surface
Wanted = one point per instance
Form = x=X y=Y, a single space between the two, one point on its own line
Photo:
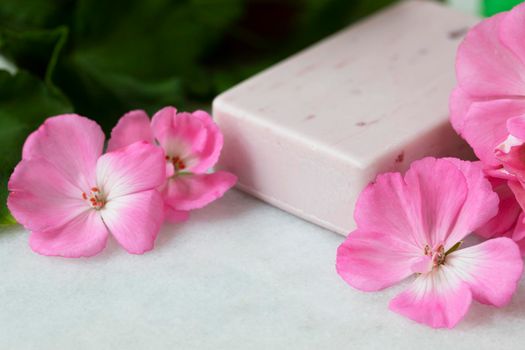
x=239 y=275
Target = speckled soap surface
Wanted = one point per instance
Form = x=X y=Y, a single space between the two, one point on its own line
x=309 y=133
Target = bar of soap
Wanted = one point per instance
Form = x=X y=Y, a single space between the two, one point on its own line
x=308 y=134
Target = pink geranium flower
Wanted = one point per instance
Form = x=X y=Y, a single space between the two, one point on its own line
x=70 y=196
x=488 y=107
x=192 y=144
x=509 y=222
x=413 y=225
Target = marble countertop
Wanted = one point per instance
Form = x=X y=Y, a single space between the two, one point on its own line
x=239 y=275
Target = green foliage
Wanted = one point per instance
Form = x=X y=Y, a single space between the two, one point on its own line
x=102 y=58
x=491 y=7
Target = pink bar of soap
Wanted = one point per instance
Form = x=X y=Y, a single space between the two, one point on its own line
x=308 y=134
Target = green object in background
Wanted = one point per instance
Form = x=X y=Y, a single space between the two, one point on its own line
x=491 y=7
x=485 y=8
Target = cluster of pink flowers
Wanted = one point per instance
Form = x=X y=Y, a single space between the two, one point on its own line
x=414 y=225
x=71 y=196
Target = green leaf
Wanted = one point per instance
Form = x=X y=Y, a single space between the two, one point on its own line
x=33 y=14
x=91 y=88
x=36 y=51
x=147 y=57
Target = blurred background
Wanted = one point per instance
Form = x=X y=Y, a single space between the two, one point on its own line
x=102 y=58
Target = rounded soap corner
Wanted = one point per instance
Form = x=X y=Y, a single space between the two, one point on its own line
x=219 y=106
x=220 y=102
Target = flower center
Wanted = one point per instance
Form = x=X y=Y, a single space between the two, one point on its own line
x=95 y=198
x=178 y=163
x=438 y=255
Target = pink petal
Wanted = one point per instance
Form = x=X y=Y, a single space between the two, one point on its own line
x=516 y=126
x=372 y=261
x=84 y=236
x=423 y=264
x=518 y=233
x=521 y=245
x=459 y=104
x=137 y=167
x=508 y=212
x=132 y=127
x=512 y=31
x=170 y=169
x=71 y=143
x=498 y=172
x=485 y=67
x=513 y=161
x=41 y=198
x=519 y=192
x=385 y=206
x=491 y=269
x=194 y=136
x=187 y=192
x=174 y=216
x=481 y=203
x=485 y=126
x=438 y=299
x=135 y=220
x=438 y=190
x=178 y=133
x=163 y=120
x=209 y=154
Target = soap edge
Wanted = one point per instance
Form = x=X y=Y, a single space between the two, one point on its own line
x=288 y=208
